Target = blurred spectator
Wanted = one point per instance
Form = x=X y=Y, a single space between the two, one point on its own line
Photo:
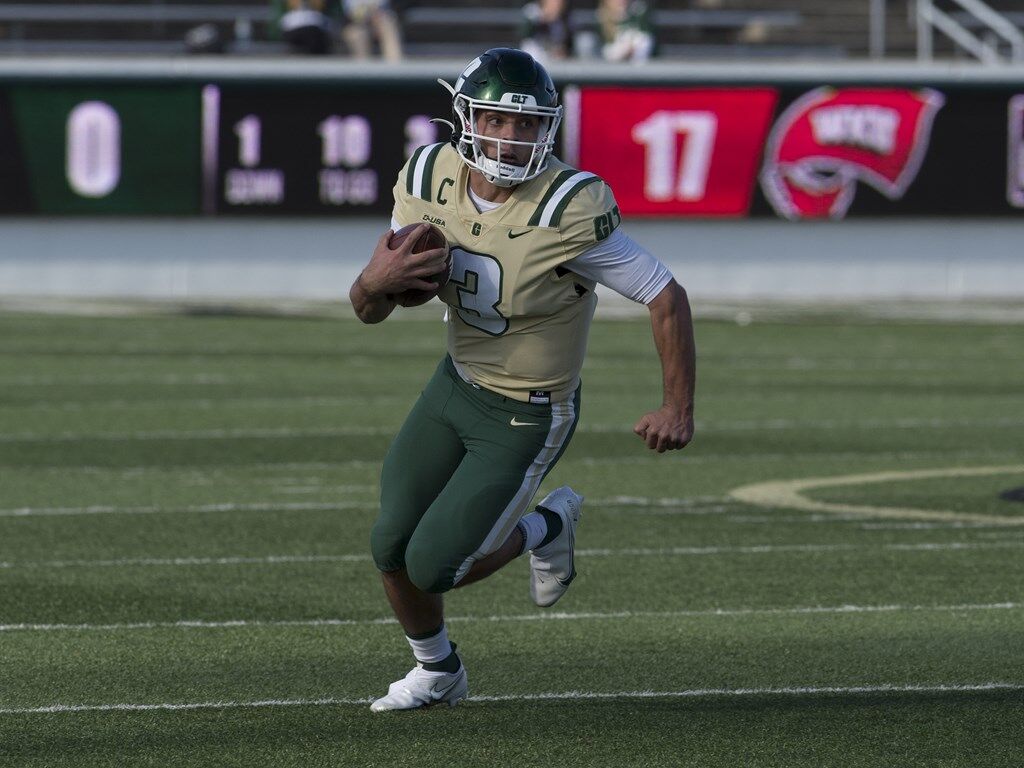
x=206 y=38
x=546 y=32
x=753 y=32
x=306 y=25
x=369 y=20
x=626 y=30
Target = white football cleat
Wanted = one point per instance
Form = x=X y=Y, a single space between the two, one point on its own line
x=422 y=688
x=552 y=567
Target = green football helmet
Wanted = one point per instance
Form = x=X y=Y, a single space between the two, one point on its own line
x=504 y=80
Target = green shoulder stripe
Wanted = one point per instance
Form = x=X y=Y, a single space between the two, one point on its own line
x=561 y=192
x=555 y=186
x=420 y=171
x=556 y=216
x=428 y=170
x=410 y=169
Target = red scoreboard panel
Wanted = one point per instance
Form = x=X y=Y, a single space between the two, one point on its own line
x=676 y=151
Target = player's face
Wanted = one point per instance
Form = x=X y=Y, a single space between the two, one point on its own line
x=508 y=127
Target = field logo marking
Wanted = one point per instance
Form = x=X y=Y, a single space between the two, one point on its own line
x=789 y=494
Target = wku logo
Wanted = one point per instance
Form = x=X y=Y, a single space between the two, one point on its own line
x=830 y=139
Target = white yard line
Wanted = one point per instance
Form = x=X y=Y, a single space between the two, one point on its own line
x=316 y=488
x=201 y=508
x=127 y=378
x=696 y=505
x=763 y=549
x=695 y=693
x=788 y=494
x=197 y=434
x=212 y=470
x=655 y=501
x=130 y=562
x=926 y=526
x=658 y=505
x=590 y=461
x=528 y=617
x=207 y=403
x=768 y=425
x=775 y=519
x=671 y=505
x=684 y=458
x=760 y=549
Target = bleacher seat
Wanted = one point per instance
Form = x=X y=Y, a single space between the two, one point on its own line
x=460 y=28
x=143 y=26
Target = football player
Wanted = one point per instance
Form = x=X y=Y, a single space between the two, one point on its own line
x=530 y=238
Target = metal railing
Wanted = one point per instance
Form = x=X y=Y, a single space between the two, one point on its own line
x=998 y=32
x=876 y=28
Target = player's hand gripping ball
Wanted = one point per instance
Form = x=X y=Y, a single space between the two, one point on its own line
x=432 y=238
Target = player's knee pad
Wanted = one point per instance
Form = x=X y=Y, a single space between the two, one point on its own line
x=387 y=546
x=428 y=569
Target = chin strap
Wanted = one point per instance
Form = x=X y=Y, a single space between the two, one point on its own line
x=502 y=182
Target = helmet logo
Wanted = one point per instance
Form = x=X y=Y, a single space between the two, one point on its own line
x=519 y=99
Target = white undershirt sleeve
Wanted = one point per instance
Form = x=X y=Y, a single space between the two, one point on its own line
x=623 y=265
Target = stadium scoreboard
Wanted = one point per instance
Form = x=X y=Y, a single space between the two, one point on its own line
x=276 y=149
x=238 y=147
x=80 y=149
x=183 y=150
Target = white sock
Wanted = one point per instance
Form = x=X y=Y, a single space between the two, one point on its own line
x=432 y=649
x=534 y=528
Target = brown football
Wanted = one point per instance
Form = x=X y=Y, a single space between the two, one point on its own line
x=432 y=238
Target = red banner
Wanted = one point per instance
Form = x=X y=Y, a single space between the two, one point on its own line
x=829 y=140
x=676 y=151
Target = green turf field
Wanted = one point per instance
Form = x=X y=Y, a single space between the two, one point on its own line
x=185 y=503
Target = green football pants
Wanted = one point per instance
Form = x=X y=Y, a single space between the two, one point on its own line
x=460 y=473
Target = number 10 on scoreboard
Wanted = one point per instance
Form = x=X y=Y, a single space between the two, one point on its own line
x=309 y=151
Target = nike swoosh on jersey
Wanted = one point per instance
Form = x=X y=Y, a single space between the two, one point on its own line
x=516 y=423
x=513 y=235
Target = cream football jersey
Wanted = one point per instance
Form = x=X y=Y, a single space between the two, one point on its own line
x=518 y=320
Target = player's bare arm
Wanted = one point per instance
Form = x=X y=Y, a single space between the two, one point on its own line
x=391 y=271
x=671 y=426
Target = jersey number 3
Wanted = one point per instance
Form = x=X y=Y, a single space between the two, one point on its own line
x=477 y=278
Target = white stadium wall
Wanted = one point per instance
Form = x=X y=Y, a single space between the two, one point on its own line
x=315 y=259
